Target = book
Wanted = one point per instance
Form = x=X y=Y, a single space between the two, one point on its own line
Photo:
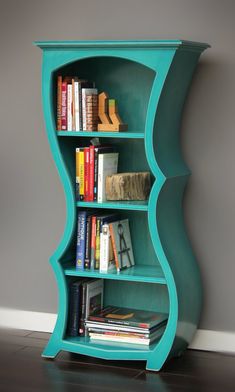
x=107 y=165
x=98 y=150
x=73 y=313
x=129 y=317
x=91 y=173
x=69 y=107
x=88 y=243
x=81 y=239
x=93 y=242
x=64 y=106
x=86 y=173
x=100 y=326
x=85 y=117
x=122 y=245
x=107 y=260
x=91 y=112
x=122 y=337
x=81 y=174
x=76 y=109
x=94 y=297
x=100 y=221
x=59 y=102
x=77 y=187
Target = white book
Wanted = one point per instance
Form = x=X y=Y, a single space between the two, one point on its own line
x=107 y=165
x=76 y=105
x=69 y=107
x=86 y=91
x=94 y=296
x=107 y=262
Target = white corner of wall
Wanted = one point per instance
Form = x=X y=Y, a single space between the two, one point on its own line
x=44 y=322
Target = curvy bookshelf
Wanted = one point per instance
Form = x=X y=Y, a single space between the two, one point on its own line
x=150 y=80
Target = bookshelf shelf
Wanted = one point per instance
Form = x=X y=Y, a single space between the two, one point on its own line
x=118 y=135
x=138 y=273
x=149 y=80
x=118 y=205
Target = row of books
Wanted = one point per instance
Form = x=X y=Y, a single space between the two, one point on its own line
x=124 y=325
x=103 y=242
x=93 y=164
x=77 y=104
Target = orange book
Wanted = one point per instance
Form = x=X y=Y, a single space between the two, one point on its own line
x=114 y=247
x=59 y=102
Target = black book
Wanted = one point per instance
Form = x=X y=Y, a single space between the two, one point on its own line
x=74 y=314
x=88 y=243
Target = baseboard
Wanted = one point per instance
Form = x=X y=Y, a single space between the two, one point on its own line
x=44 y=322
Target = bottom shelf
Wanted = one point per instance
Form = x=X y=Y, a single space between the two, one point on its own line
x=109 y=348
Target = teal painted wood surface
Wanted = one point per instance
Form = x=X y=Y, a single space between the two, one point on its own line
x=150 y=80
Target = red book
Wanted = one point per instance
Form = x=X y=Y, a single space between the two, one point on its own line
x=59 y=99
x=87 y=173
x=64 y=106
x=92 y=173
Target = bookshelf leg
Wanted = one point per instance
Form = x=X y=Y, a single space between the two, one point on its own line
x=153 y=364
x=51 y=350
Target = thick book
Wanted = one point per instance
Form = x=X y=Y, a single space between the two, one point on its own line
x=107 y=165
x=86 y=173
x=122 y=245
x=128 y=316
x=122 y=337
x=100 y=221
x=94 y=297
x=107 y=260
x=93 y=242
x=88 y=243
x=77 y=185
x=74 y=305
x=81 y=174
x=64 y=106
x=85 y=115
x=59 y=102
x=81 y=239
x=99 y=150
x=101 y=326
x=69 y=107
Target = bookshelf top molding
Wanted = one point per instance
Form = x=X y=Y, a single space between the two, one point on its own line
x=135 y=44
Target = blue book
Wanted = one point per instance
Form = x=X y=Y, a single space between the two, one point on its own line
x=81 y=240
x=74 y=305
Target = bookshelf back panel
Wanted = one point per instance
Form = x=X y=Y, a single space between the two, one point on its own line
x=152 y=297
x=126 y=81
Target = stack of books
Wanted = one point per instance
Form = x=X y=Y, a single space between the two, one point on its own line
x=103 y=242
x=77 y=104
x=93 y=164
x=123 y=325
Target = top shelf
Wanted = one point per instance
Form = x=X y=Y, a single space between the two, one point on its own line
x=121 y=135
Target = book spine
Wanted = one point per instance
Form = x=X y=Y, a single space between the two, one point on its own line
x=59 y=102
x=81 y=173
x=64 y=106
x=100 y=177
x=86 y=173
x=73 y=320
x=114 y=247
x=81 y=241
x=91 y=112
x=93 y=242
x=104 y=248
x=91 y=177
x=73 y=104
x=83 y=310
x=77 y=190
x=96 y=154
x=88 y=243
x=83 y=109
x=76 y=106
x=97 y=244
x=69 y=108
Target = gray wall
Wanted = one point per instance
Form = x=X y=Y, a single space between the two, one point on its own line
x=32 y=206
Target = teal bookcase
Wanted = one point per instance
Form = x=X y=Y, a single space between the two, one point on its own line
x=150 y=80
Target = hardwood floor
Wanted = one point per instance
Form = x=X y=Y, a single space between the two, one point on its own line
x=23 y=369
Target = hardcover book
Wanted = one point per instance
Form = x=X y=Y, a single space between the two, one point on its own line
x=107 y=260
x=128 y=316
x=107 y=165
x=122 y=245
x=74 y=304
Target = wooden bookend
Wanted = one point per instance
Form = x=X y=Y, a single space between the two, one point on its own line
x=108 y=115
x=128 y=186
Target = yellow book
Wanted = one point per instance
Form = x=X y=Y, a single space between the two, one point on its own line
x=77 y=174
x=81 y=171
